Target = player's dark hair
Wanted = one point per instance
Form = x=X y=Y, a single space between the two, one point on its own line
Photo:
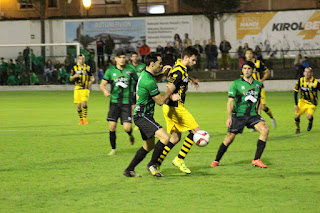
x=133 y=53
x=120 y=52
x=249 y=49
x=249 y=63
x=151 y=57
x=189 y=51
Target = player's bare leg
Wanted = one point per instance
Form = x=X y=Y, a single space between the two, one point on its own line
x=263 y=129
x=128 y=128
x=223 y=148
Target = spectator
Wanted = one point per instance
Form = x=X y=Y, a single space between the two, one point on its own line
x=200 y=50
x=187 y=39
x=11 y=79
x=241 y=57
x=160 y=49
x=26 y=53
x=224 y=47
x=4 y=72
x=20 y=57
x=33 y=60
x=48 y=70
x=177 y=38
x=109 y=46
x=100 y=52
x=258 y=53
x=298 y=65
x=11 y=66
x=100 y=74
x=18 y=68
x=185 y=45
x=144 y=50
x=169 y=54
x=305 y=62
x=178 y=50
x=34 y=78
x=62 y=74
x=25 y=78
x=245 y=47
x=211 y=51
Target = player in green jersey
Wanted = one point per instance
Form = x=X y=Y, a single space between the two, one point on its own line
x=147 y=95
x=138 y=67
x=121 y=78
x=244 y=95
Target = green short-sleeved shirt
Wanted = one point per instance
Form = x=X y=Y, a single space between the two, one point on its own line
x=139 y=68
x=146 y=89
x=121 y=83
x=246 y=97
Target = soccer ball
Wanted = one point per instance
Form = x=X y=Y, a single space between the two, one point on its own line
x=201 y=138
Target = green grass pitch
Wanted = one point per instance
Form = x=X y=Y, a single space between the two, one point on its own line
x=50 y=164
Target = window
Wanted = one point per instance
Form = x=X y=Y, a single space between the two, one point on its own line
x=52 y=3
x=25 y=4
x=104 y=2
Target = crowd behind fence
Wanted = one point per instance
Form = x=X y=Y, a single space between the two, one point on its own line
x=29 y=69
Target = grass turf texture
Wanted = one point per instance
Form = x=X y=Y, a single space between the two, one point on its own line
x=50 y=164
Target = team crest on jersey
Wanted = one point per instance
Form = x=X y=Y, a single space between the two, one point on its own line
x=128 y=73
x=257 y=85
x=114 y=74
x=242 y=87
x=186 y=79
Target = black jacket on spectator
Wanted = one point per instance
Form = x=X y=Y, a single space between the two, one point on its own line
x=211 y=50
x=225 y=46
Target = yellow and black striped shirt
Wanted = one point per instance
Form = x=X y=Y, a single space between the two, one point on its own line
x=179 y=77
x=259 y=69
x=82 y=81
x=309 y=90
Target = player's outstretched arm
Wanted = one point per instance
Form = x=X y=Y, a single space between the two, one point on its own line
x=161 y=99
x=265 y=75
x=103 y=88
x=91 y=81
x=194 y=83
x=296 y=108
x=164 y=72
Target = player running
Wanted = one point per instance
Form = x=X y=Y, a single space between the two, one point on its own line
x=83 y=79
x=309 y=87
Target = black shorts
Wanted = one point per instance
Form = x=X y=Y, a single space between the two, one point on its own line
x=238 y=123
x=122 y=111
x=147 y=126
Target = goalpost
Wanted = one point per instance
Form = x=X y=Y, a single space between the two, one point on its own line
x=56 y=52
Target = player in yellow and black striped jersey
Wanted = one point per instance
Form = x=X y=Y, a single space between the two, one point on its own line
x=82 y=77
x=261 y=73
x=309 y=87
x=178 y=118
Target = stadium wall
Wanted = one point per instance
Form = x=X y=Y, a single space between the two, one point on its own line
x=219 y=86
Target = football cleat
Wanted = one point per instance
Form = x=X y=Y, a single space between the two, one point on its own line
x=181 y=165
x=297 y=131
x=258 y=163
x=131 y=140
x=274 y=123
x=154 y=171
x=112 y=152
x=309 y=127
x=128 y=173
x=85 y=121
x=214 y=164
x=81 y=122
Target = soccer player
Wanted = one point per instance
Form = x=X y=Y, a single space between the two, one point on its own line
x=147 y=95
x=244 y=94
x=121 y=77
x=178 y=118
x=309 y=87
x=138 y=67
x=83 y=79
x=260 y=69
